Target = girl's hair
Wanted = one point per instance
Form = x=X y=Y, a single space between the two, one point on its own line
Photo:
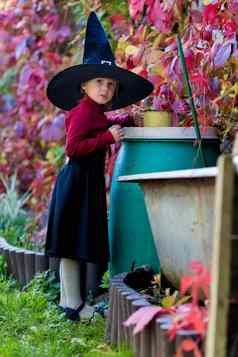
x=81 y=91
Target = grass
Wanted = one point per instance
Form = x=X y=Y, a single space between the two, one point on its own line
x=31 y=326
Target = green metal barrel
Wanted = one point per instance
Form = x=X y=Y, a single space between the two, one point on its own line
x=146 y=150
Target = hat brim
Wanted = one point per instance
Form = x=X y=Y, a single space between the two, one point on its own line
x=64 y=88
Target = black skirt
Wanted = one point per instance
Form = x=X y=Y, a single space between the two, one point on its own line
x=77 y=225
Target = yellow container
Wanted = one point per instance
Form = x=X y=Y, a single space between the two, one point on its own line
x=157 y=118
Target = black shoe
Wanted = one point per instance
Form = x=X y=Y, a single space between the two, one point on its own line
x=73 y=314
x=60 y=308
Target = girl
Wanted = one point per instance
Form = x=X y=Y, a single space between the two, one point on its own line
x=77 y=226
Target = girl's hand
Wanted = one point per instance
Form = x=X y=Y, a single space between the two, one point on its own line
x=116 y=132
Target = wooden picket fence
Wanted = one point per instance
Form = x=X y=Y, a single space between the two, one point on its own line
x=153 y=341
x=24 y=264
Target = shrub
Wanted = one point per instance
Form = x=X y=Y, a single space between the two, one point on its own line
x=16 y=223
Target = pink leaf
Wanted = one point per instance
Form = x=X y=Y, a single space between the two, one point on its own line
x=155 y=79
x=155 y=11
x=52 y=36
x=136 y=316
x=144 y=315
x=196 y=266
x=233 y=6
x=146 y=318
x=161 y=17
x=136 y=7
x=196 y=16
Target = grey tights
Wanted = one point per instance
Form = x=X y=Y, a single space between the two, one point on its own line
x=70 y=295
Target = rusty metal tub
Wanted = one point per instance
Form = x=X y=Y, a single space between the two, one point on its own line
x=180 y=208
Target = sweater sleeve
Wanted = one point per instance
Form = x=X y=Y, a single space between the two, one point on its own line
x=78 y=140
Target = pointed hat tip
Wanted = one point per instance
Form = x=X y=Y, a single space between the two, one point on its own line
x=92 y=13
x=93 y=21
x=92 y=16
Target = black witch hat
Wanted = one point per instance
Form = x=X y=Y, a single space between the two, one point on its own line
x=98 y=61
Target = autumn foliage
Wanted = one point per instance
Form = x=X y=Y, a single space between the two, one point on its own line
x=33 y=37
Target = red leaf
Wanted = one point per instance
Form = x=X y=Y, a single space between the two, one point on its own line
x=120 y=24
x=143 y=73
x=186 y=283
x=199 y=81
x=200 y=280
x=54 y=57
x=186 y=346
x=117 y=18
x=210 y=13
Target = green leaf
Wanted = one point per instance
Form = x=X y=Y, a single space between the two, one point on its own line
x=6 y=80
x=168 y=301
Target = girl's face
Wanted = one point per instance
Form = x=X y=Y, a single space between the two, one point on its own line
x=101 y=90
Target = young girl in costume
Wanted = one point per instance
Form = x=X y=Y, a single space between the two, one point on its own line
x=77 y=226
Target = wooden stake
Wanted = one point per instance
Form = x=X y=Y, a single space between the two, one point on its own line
x=221 y=257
